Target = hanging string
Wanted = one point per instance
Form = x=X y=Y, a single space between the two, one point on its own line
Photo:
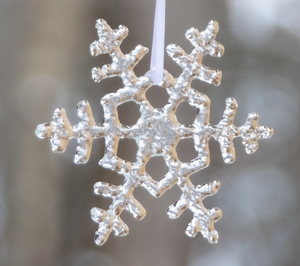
x=158 y=42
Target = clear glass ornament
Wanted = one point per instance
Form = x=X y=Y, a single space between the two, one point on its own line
x=157 y=132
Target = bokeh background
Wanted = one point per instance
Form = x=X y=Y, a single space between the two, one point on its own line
x=45 y=198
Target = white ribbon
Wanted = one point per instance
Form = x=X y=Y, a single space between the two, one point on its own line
x=158 y=42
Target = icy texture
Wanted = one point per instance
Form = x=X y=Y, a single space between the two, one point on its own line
x=157 y=132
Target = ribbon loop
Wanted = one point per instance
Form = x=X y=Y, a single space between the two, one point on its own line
x=158 y=42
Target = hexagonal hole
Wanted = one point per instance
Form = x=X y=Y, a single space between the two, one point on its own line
x=156 y=167
x=157 y=96
x=186 y=113
x=186 y=150
x=129 y=113
x=127 y=150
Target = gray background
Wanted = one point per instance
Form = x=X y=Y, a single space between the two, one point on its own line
x=45 y=198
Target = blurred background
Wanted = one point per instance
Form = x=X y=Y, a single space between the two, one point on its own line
x=45 y=199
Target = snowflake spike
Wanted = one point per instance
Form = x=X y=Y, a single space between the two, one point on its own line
x=265 y=132
x=44 y=131
x=119 y=227
x=136 y=55
x=216 y=214
x=192 y=228
x=97 y=74
x=62 y=132
x=208 y=189
x=98 y=214
x=226 y=131
x=210 y=76
x=102 y=235
x=136 y=209
x=179 y=55
x=168 y=81
x=106 y=190
x=176 y=209
x=82 y=132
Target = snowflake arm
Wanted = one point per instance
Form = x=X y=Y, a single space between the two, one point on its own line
x=122 y=199
x=204 y=44
x=60 y=131
x=250 y=132
x=109 y=43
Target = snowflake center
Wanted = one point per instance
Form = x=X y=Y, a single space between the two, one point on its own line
x=162 y=131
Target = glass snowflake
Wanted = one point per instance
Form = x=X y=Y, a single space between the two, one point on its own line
x=157 y=132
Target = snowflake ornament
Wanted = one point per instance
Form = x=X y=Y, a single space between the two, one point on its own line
x=157 y=132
